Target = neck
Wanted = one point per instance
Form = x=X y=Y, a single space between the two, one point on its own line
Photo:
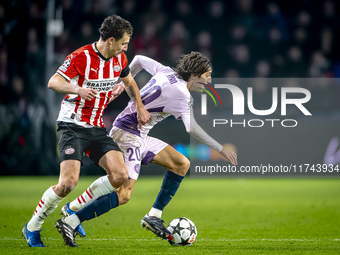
x=103 y=48
x=188 y=85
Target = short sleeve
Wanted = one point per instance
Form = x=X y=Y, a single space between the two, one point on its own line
x=125 y=72
x=125 y=68
x=73 y=65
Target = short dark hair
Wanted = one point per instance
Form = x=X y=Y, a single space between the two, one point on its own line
x=194 y=63
x=115 y=26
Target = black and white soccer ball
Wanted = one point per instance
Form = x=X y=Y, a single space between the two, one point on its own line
x=183 y=231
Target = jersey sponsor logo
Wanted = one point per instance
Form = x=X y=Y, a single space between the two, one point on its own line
x=94 y=70
x=65 y=65
x=101 y=85
x=116 y=68
x=69 y=151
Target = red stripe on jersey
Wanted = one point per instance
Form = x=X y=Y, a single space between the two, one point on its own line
x=81 y=80
x=42 y=202
x=101 y=123
x=83 y=198
x=88 y=194
x=86 y=112
x=78 y=98
x=79 y=201
x=35 y=211
x=106 y=70
x=39 y=205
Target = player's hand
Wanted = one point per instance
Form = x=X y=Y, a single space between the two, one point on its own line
x=143 y=116
x=117 y=90
x=230 y=155
x=87 y=93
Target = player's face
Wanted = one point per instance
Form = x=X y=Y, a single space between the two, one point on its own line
x=119 y=46
x=197 y=83
x=206 y=76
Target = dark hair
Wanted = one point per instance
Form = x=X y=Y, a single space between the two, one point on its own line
x=115 y=26
x=194 y=63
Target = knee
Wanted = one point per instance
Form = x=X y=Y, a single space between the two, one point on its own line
x=117 y=178
x=64 y=188
x=121 y=176
x=123 y=198
x=182 y=166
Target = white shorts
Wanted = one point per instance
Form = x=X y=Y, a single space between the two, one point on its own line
x=134 y=155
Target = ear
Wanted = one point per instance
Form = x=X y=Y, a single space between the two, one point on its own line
x=112 y=40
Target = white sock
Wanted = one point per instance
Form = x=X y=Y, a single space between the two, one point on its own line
x=72 y=220
x=48 y=203
x=155 y=212
x=98 y=188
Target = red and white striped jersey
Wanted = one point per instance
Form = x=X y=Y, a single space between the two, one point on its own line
x=87 y=68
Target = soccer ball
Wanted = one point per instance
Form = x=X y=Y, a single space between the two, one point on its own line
x=183 y=231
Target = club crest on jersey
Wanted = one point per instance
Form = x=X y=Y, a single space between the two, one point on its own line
x=69 y=151
x=116 y=68
x=137 y=168
x=65 y=65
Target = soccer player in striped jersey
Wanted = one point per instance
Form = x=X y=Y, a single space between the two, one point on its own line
x=88 y=77
x=167 y=93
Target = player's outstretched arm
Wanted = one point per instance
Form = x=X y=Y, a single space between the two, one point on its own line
x=143 y=116
x=61 y=85
x=197 y=132
x=140 y=62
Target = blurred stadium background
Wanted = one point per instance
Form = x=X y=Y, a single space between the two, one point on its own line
x=243 y=38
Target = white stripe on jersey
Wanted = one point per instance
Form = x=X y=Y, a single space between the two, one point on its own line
x=67 y=78
x=94 y=113
x=101 y=69
x=120 y=60
x=101 y=112
x=88 y=64
x=97 y=101
x=111 y=68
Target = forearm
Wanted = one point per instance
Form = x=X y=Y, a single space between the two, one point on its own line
x=198 y=133
x=133 y=91
x=61 y=85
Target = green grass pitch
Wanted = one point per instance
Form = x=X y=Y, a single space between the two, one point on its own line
x=233 y=216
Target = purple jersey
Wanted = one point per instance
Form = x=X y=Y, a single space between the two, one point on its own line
x=164 y=95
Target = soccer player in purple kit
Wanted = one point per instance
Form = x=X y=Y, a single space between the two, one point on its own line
x=167 y=93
